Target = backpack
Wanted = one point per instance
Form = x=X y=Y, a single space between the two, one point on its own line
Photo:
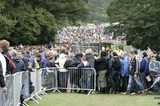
x=116 y=64
x=11 y=66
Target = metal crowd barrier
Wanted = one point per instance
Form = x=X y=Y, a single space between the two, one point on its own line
x=69 y=80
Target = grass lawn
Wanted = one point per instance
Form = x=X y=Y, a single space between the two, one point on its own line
x=73 y=99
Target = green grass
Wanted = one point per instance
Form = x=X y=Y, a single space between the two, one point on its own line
x=73 y=99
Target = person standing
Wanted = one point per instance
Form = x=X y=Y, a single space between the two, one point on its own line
x=154 y=69
x=124 y=72
x=144 y=69
x=101 y=66
x=134 y=71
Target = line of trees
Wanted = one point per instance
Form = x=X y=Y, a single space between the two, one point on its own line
x=37 y=21
x=139 y=19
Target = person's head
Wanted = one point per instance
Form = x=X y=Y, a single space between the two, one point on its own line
x=88 y=51
x=13 y=53
x=38 y=57
x=114 y=54
x=131 y=54
x=83 y=59
x=68 y=57
x=144 y=54
x=150 y=54
x=51 y=58
x=153 y=58
x=124 y=54
x=27 y=52
x=21 y=54
x=4 y=45
x=135 y=52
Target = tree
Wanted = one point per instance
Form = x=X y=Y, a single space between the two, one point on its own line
x=140 y=19
x=5 y=24
x=37 y=21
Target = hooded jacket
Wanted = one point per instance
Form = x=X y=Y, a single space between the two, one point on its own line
x=85 y=64
x=90 y=58
x=125 y=66
x=19 y=64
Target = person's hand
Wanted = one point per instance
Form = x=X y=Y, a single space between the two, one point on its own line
x=155 y=71
x=4 y=89
x=122 y=75
x=33 y=70
x=135 y=75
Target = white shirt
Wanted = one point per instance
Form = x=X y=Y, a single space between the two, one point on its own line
x=3 y=62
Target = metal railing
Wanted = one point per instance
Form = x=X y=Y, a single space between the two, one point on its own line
x=56 y=79
x=60 y=79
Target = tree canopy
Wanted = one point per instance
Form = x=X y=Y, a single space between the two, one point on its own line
x=37 y=21
x=139 y=19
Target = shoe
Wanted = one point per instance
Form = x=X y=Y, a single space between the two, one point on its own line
x=143 y=93
x=125 y=93
x=133 y=93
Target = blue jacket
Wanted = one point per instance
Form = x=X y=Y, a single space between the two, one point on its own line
x=125 y=66
x=44 y=61
x=144 y=65
x=19 y=64
x=85 y=64
x=31 y=60
x=154 y=65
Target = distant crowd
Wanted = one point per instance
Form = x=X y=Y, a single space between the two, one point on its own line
x=117 y=71
x=81 y=35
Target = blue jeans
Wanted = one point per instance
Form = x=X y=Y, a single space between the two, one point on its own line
x=85 y=81
x=131 y=81
x=63 y=79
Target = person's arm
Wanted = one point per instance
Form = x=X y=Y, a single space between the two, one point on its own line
x=137 y=66
x=2 y=82
x=80 y=65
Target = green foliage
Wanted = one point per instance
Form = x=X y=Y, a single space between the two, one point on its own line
x=120 y=46
x=140 y=19
x=37 y=21
x=5 y=24
x=98 y=11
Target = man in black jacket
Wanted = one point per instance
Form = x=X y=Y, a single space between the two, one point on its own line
x=134 y=71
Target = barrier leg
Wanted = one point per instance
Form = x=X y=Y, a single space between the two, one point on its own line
x=35 y=100
x=38 y=97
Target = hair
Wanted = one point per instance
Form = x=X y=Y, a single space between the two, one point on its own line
x=131 y=52
x=124 y=53
x=83 y=58
x=63 y=50
x=88 y=51
x=38 y=55
x=145 y=54
x=22 y=52
x=4 y=44
x=13 y=52
x=51 y=58
x=68 y=57
x=114 y=53
x=154 y=52
x=27 y=52
x=135 y=51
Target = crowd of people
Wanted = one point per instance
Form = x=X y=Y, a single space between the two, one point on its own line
x=81 y=35
x=116 y=71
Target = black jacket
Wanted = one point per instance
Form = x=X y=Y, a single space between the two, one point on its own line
x=135 y=66
x=90 y=58
x=69 y=63
x=2 y=82
x=101 y=64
